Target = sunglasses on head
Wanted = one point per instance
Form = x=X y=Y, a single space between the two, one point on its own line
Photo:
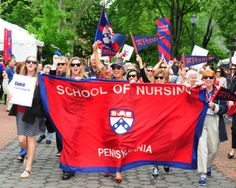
x=31 y=62
x=116 y=67
x=60 y=64
x=159 y=77
x=208 y=77
x=75 y=64
x=132 y=75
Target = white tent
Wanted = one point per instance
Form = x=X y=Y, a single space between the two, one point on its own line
x=225 y=62
x=23 y=43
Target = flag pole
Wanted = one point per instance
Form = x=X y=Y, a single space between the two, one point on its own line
x=132 y=38
x=183 y=59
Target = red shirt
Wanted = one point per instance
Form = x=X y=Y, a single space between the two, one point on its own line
x=20 y=108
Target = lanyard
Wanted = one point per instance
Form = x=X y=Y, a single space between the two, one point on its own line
x=208 y=96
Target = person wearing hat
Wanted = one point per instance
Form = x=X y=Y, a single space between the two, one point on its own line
x=118 y=70
x=117 y=73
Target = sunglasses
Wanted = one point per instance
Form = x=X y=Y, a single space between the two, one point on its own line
x=60 y=64
x=208 y=77
x=132 y=75
x=159 y=77
x=114 y=68
x=233 y=69
x=218 y=71
x=163 y=67
x=149 y=70
x=75 y=64
x=31 y=62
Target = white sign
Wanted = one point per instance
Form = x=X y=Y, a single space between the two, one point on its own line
x=198 y=51
x=234 y=54
x=22 y=90
x=233 y=59
x=127 y=52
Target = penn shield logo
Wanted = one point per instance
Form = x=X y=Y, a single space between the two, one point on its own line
x=121 y=120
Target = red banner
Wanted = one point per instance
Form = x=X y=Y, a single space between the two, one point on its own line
x=7 y=54
x=111 y=126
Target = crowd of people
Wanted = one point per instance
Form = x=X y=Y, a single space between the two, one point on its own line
x=207 y=79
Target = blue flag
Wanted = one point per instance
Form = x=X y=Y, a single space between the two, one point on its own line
x=104 y=31
x=190 y=60
x=111 y=42
x=141 y=42
x=118 y=40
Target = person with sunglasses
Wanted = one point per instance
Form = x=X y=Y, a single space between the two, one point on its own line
x=221 y=80
x=58 y=68
x=150 y=73
x=27 y=118
x=161 y=76
x=214 y=130
x=76 y=69
x=117 y=73
x=163 y=64
x=118 y=70
x=133 y=76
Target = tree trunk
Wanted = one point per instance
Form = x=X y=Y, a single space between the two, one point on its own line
x=208 y=33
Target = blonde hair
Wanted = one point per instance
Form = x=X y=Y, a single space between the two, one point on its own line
x=23 y=70
x=47 y=66
x=82 y=72
x=162 y=72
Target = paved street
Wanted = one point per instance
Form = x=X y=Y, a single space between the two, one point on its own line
x=46 y=173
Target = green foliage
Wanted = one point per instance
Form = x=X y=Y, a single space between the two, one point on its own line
x=70 y=25
x=50 y=32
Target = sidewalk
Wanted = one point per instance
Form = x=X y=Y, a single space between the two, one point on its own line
x=7 y=127
x=46 y=173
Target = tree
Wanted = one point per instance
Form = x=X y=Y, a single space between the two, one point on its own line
x=54 y=37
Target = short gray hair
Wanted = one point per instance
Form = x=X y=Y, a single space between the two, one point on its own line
x=191 y=72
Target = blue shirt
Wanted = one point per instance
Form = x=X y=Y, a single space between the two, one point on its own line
x=10 y=72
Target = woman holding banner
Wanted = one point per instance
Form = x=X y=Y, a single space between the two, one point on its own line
x=76 y=69
x=58 y=68
x=161 y=76
x=213 y=131
x=26 y=118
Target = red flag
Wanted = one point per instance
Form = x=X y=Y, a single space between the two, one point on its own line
x=164 y=46
x=114 y=126
x=7 y=54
